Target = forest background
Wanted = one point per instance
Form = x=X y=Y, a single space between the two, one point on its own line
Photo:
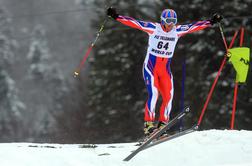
x=43 y=41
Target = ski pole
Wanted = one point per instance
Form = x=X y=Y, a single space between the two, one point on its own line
x=77 y=71
x=223 y=36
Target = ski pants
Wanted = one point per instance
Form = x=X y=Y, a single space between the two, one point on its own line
x=158 y=79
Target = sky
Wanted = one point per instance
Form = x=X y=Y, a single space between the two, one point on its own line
x=208 y=148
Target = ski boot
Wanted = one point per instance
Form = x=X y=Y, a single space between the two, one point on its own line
x=160 y=126
x=149 y=128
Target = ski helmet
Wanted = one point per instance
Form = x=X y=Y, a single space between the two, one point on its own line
x=168 y=16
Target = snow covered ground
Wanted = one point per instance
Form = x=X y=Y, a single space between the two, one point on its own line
x=208 y=148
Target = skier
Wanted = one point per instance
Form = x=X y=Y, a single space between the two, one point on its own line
x=157 y=74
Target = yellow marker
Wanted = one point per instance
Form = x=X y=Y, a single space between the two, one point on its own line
x=239 y=57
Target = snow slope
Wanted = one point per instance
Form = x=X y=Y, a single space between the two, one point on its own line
x=208 y=148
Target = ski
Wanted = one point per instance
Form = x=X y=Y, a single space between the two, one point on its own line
x=168 y=138
x=158 y=133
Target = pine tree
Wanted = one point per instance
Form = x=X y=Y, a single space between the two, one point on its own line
x=38 y=54
x=11 y=107
x=46 y=83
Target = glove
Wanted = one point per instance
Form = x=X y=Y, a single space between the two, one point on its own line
x=216 y=18
x=112 y=13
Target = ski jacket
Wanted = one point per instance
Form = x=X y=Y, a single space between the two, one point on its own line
x=161 y=43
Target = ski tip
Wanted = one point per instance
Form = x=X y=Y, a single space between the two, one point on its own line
x=126 y=159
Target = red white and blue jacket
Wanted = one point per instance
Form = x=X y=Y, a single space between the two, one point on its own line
x=161 y=43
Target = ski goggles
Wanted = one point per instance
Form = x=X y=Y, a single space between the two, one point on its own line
x=170 y=20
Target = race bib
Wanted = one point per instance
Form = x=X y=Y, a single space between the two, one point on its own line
x=162 y=44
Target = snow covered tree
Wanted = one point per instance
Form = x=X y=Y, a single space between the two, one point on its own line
x=39 y=54
x=46 y=84
x=11 y=107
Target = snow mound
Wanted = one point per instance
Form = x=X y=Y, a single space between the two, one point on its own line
x=208 y=148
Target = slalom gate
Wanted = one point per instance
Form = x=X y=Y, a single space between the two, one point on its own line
x=239 y=57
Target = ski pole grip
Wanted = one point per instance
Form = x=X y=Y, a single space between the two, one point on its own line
x=76 y=73
x=187 y=110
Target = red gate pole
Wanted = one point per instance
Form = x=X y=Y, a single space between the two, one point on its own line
x=234 y=106
x=236 y=87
